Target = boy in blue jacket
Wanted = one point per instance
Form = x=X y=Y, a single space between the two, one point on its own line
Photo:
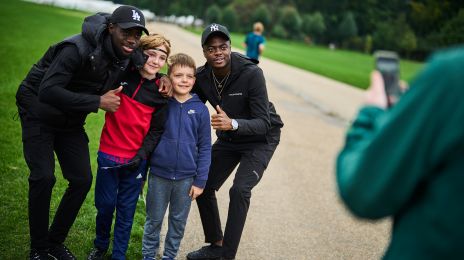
x=180 y=163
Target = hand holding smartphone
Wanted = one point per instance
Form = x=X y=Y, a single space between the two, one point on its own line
x=388 y=64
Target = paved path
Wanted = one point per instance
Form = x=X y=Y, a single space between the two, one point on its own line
x=295 y=211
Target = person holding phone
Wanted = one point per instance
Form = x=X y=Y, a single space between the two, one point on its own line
x=406 y=162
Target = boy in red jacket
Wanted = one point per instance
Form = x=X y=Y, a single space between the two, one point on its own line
x=128 y=137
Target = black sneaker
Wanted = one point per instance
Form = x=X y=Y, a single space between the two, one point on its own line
x=206 y=253
x=61 y=252
x=36 y=254
x=97 y=254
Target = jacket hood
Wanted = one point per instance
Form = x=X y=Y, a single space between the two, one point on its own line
x=94 y=28
x=240 y=62
x=95 y=32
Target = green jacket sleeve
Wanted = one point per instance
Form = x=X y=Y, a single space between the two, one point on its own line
x=389 y=154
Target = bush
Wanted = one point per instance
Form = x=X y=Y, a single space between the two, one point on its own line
x=368 y=44
x=279 y=31
x=354 y=43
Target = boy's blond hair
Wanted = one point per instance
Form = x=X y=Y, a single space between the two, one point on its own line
x=153 y=41
x=182 y=60
x=258 y=27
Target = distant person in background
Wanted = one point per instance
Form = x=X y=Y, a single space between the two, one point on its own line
x=74 y=78
x=128 y=138
x=407 y=162
x=255 y=41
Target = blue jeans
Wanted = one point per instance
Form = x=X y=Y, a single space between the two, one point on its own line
x=161 y=193
x=116 y=189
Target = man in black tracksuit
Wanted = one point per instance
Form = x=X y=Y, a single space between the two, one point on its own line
x=248 y=131
x=72 y=79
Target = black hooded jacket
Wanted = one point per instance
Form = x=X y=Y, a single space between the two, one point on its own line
x=244 y=99
x=65 y=85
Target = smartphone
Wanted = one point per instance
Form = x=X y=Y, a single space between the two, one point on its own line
x=388 y=64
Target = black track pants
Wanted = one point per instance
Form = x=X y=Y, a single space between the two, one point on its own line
x=71 y=148
x=252 y=160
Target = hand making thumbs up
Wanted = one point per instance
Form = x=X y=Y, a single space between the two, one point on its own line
x=110 y=101
x=221 y=121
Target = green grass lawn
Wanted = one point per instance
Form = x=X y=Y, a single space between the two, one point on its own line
x=346 y=66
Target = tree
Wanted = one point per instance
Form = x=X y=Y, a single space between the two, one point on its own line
x=347 y=27
x=244 y=10
x=408 y=41
x=291 y=21
x=384 y=36
x=229 y=18
x=395 y=35
x=313 y=25
x=263 y=15
x=213 y=14
x=453 y=31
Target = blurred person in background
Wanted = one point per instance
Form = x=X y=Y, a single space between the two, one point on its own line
x=255 y=41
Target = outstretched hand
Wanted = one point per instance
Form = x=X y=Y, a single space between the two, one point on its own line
x=110 y=101
x=221 y=121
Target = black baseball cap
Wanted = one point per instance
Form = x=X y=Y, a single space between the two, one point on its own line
x=126 y=16
x=212 y=29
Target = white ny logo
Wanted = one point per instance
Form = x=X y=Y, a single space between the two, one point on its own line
x=135 y=15
x=214 y=27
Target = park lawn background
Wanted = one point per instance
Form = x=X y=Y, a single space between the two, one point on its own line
x=350 y=67
x=28 y=30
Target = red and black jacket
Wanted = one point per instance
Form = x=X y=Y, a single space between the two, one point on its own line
x=136 y=127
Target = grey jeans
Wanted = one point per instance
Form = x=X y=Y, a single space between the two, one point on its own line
x=161 y=193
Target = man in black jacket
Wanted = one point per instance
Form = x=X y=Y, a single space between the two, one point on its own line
x=248 y=131
x=72 y=79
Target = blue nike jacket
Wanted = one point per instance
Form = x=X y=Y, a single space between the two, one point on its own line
x=185 y=147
